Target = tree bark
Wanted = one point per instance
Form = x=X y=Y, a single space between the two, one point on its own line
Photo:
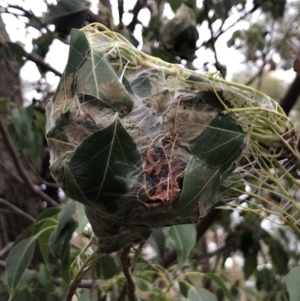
x=291 y=96
x=12 y=188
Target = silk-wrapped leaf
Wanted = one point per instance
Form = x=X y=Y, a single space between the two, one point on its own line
x=180 y=34
x=145 y=144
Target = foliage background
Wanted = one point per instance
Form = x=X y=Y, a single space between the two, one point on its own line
x=227 y=256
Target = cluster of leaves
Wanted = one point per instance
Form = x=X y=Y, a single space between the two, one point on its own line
x=265 y=255
x=50 y=234
x=52 y=231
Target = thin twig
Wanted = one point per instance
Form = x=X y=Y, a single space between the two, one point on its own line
x=250 y=81
x=208 y=255
x=121 y=10
x=30 y=15
x=92 y=17
x=221 y=30
x=19 y=166
x=136 y=9
x=126 y=266
x=92 y=289
x=213 y=39
x=6 y=249
x=15 y=176
x=17 y=210
x=39 y=61
x=138 y=251
x=40 y=180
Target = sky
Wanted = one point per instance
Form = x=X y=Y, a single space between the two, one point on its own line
x=58 y=54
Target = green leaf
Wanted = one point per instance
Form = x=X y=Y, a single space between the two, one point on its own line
x=42 y=44
x=65 y=257
x=25 y=234
x=250 y=264
x=86 y=296
x=82 y=218
x=24 y=294
x=200 y=184
x=175 y=4
x=165 y=55
x=44 y=276
x=278 y=255
x=18 y=261
x=103 y=162
x=68 y=14
x=59 y=241
x=107 y=267
x=50 y=212
x=44 y=236
x=280 y=259
x=78 y=53
x=97 y=78
x=292 y=280
x=218 y=280
x=143 y=284
x=60 y=237
x=4 y=296
x=184 y=237
x=65 y=215
x=220 y=144
x=35 y=148
x=14 y=52
x=184 y=287
x=20 y=127
x=275 y=8
x=179 y=35
x=124 y=31
x=158 y=241
x=27 y=132
x=4 y=103
x=200 y=294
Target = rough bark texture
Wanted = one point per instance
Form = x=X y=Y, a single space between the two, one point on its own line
x=12 y=189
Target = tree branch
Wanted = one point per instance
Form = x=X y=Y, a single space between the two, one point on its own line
x=17 y=210
x=130 y=285
x=19 y=166
x=106 y=3
x=30 y=15
x=6 y=249
x=221 y=30
x=95 y=18
x=289 y=99
x=218 y=65
x=121 y=10
x=16 y=177
x=136 y=9
x=39 y=61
